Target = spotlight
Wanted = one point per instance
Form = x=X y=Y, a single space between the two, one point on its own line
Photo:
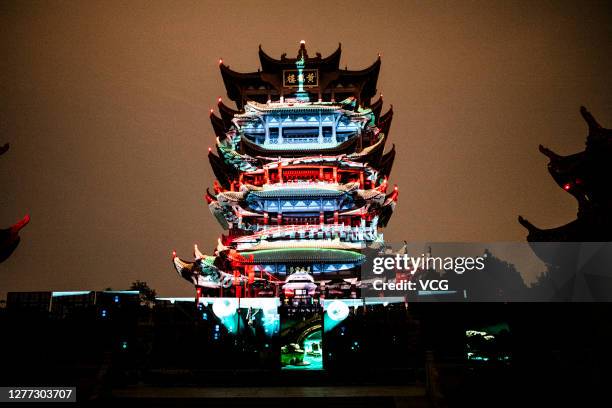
x=337 y=310
x=223 y=308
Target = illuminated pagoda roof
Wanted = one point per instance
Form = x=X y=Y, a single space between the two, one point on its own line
x=266 y=131
x=223 y=123
x=326 y=81
x=376 y=108
x=384 y=122
x=227 y=113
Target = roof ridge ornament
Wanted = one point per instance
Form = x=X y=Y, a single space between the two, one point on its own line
x=598 y=135
x=302 y=53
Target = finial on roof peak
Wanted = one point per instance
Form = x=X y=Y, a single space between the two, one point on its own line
x=302 y=53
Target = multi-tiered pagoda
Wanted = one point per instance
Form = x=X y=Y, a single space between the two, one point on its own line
x=302 y=178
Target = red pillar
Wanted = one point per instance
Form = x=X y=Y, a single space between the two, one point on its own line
x=197 y=296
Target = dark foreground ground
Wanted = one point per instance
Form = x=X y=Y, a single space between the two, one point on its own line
x=561 y=354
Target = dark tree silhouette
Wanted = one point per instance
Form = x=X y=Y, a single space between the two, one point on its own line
x=499 y=280
x=146 y=292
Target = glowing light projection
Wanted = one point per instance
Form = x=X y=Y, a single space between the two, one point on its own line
x=72 y=293
x=337 y=311
x=226 y=311
x=260 y=312
x=223 y=308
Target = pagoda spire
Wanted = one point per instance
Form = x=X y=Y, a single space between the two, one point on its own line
x=302 y=53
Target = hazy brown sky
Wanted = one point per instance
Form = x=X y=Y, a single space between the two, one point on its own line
x=105 y=105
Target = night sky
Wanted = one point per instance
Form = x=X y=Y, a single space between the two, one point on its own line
x=106 y=104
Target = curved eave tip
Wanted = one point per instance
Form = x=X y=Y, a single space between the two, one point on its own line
x=20 y=224
x=181 y=266
x=530 y=227
x=196 y=252
x=24 y=221
x=590 y=119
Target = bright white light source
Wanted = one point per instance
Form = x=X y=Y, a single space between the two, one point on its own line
x=224 y=308
x=337 y=310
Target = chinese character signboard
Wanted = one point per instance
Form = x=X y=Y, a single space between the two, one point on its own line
x=292 y=78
